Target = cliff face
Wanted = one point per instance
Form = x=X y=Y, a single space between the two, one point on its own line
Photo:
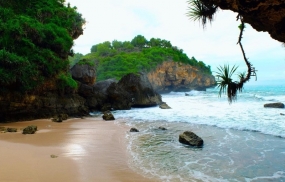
x=17 y=108
x=262 y=15
x=174 y=76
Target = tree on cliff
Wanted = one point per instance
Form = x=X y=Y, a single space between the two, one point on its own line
x=116 y=59
x=204 y=12
x=35 y=41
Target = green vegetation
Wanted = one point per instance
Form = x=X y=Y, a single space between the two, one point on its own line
x=116 y=59
x=35 y=41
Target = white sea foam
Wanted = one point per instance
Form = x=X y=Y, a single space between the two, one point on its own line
x=235 y=145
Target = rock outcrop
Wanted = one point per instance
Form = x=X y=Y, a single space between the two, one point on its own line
x=262 y=15
x=274 y=105
x=84 y=73
x=141 y=91
x=175 y=76
x=131 y=91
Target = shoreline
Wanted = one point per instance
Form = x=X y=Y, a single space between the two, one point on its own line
x=89 y=149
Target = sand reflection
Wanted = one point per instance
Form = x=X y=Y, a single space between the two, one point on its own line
x=76 y=151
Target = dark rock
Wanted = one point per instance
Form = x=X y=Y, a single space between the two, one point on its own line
x=140 y=90
x=30 y=129
x=84 y=73
x=108 y=116
x=134 y=130
x=190 y=138
x=282 y=114
x=59 y=118
x=186 y=94
x=96 y=95
x=118 y=97
x=164 y=106
x=162 y=128
x=274 y=105
x=263 y=15
x=63 y=116
x=102 y=86
x=30 y=107
x=11 y=129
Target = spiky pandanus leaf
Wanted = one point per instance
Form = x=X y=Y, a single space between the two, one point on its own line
x=225 y=83
x=201 y=11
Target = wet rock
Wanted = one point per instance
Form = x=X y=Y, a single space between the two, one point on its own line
x=134 y=130
x=164 y=106
x=274 y=105
x=11 y=129
x=53 y=156
x=30 y=129
x=162 y=128
x=107 y=115
x=190 y=138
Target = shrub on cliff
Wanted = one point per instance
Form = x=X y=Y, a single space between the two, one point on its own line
x=35 y=40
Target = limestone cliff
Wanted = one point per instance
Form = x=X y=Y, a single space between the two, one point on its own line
x=174 y=76
x=262 y=15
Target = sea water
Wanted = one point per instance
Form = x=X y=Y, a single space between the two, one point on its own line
x=243 y=141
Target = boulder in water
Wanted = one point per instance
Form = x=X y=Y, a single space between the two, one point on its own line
x=162 y=128
x=190 y=138
x=108 y=116
x=134 y=130
x=274 y=105
x=164 y=106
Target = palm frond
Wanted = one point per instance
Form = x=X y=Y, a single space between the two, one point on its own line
x=200 y=11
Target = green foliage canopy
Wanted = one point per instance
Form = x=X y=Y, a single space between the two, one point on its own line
x=116 y=59
x=35 y=41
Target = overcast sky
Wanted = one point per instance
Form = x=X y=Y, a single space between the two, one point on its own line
x=122 y=20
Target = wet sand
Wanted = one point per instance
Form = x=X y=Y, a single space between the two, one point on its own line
x=89 y=149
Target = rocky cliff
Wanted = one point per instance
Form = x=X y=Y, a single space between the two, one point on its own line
x=25 y=107
x=262 y=15
x=174 y=76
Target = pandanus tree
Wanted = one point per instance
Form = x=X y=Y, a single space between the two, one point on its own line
x=204 y=12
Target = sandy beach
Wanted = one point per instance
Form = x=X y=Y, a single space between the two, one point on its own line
x=89 y=149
